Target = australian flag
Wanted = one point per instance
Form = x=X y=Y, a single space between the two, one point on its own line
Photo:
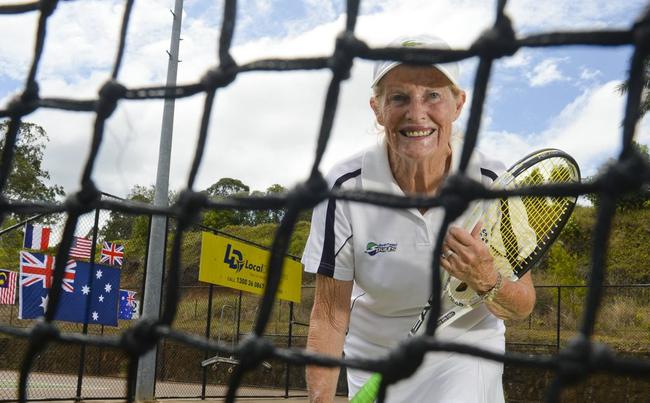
x=94 y=299
x=129 y=306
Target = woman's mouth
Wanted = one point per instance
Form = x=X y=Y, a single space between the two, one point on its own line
x=417 y=133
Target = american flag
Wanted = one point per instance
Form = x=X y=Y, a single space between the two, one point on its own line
x=36 y=267
x=80 y=248
x=112 y=254
x=8 y=287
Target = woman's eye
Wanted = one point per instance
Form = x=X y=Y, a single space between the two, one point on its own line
x=397 y=98
x=434 y=95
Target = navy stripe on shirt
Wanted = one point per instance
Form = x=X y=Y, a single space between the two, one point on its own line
x=327 y=260
x=489 y=174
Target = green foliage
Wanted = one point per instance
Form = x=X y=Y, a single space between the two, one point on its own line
x=628 y=253
x=28 y=180
x=631 y=200
x=265 y=233
x=224 y=188
x=126 y=226
x=563 y=266
x=645 y=100
x=627 y=258
x=10 y=245
x=229 y=187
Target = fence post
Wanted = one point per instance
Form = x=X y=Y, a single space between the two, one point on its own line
x=82 y=355
x=286 y=385
x=238 y=317
x=208 y=326
x=559 y=305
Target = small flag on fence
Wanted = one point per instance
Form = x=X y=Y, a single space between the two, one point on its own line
x=36 y=237
x=129 y=306
x=8 y=287
x=93 y=301
x=112 y=254
x=80 y=248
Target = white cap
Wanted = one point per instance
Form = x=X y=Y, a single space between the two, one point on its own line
x=450 y=70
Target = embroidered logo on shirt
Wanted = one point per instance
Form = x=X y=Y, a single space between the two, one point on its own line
x=373 y=248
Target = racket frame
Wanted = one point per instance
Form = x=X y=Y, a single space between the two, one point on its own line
x=502 y=181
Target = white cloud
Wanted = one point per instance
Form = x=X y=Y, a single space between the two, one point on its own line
x=547 y=16
x=589 y=128
x=520 y=59
x=545 y=72
x=264 y=126
x=589 y=77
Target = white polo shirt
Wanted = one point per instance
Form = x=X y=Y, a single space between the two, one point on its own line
x=387 y=253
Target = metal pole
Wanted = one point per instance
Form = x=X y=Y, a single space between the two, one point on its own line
x=557 y=331
x=287 y=375
x=208 y=326
x=82 y=354
x=144 y=387
x=238 y=318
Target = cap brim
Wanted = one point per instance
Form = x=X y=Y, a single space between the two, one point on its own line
x=391 y=65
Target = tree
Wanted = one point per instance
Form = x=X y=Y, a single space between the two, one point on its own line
x=275 y=216
x=120 y=226
x=223 y=188
x=258 y=217
x=28 y=180
x=628 y=201
x=645 y=100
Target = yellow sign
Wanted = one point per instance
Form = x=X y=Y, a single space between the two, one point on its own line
x=238 y=265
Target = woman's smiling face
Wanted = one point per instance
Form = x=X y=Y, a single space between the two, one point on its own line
x=416 y=106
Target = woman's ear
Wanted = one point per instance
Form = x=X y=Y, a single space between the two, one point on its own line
x=376 y=110
x=460 y=101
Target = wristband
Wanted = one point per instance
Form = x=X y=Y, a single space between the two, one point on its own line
x=492 y=292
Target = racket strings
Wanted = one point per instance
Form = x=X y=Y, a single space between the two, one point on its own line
x=522 y=227
x=541 y=213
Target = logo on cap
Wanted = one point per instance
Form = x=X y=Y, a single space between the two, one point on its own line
x=411 y=43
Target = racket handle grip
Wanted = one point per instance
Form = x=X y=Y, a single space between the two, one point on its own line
x=368 y=392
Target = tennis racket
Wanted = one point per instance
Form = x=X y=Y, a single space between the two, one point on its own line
x=517 y=230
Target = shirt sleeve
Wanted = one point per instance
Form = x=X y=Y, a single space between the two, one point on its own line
x=329 y=248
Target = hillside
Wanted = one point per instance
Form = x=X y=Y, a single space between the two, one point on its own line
x=628 y=253
x=628 y=258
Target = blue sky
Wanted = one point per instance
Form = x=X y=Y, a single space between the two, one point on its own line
x=264 y=125
x=577 y=69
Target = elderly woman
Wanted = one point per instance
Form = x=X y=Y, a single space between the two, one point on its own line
x=372 y=263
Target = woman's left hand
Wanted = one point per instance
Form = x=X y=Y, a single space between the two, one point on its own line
x=466 y=257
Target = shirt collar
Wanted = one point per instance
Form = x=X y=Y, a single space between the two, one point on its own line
x=377 y=176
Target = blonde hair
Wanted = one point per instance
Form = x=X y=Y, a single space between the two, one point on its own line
x=378 y=90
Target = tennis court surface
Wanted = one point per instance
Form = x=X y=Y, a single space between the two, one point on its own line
x=57 y=386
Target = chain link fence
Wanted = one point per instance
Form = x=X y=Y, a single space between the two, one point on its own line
x=227 y=316
x=69 y=371
x=576 y=362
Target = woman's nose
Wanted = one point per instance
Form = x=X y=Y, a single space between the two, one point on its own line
x=416 y=110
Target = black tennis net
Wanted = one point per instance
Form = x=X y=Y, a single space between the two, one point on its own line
x=580 y=358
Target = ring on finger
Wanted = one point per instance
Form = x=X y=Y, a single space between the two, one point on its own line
x=448 y=254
